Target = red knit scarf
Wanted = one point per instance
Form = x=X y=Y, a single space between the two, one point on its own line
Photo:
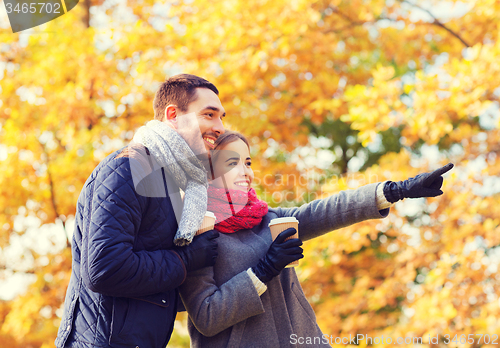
x=234 y=209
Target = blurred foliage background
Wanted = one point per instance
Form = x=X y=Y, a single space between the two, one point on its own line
x=333 y=94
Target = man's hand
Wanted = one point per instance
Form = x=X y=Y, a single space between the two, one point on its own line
x=423 y=185
x=280 y=254
x=202 y=252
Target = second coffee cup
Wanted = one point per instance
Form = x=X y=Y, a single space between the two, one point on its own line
x=278 y=225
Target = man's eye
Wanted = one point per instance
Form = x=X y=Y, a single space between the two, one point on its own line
x=210 y=114
x=249 y=164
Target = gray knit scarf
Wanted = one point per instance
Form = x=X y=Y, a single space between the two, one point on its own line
x=172 y=152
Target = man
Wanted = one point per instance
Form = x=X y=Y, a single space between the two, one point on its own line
x=126 y=269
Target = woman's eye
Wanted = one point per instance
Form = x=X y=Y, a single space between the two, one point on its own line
x=249 y=164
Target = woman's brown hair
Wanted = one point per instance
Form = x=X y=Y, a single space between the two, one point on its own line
x=229 y=137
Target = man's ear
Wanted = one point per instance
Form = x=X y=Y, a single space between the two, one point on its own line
x=171 y=116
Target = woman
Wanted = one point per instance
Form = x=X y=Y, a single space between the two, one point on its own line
x=248 y=298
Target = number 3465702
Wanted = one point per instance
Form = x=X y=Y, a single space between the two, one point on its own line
x=472 y=338
x=41 y=7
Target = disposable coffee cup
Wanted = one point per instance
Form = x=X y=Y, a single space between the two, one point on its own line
x=207 y=224
x=278 y=225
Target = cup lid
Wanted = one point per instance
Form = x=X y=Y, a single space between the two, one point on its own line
x=210 y=214
x=283 y=220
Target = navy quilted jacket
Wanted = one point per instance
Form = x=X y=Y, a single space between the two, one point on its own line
x=123 y=286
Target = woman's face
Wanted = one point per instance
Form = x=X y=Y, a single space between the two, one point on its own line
x=232 y=168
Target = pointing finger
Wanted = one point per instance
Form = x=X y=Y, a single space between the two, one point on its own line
x=444 y=169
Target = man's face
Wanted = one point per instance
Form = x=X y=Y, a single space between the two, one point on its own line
x=201 y=124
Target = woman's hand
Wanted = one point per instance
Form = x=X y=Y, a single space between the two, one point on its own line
x=423 y=185
x=279 y=254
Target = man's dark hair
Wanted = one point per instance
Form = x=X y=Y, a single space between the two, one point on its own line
x=179 y=90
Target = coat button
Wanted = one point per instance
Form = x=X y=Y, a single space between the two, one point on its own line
x=163 y=302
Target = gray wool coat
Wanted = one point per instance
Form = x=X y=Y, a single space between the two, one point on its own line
x=223 y=305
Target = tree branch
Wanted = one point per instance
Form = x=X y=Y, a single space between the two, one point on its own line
x=86 y=18
x=358 y=23
x=53 y=195
x=5 y=268
x=352 y=22
x=438 y=23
